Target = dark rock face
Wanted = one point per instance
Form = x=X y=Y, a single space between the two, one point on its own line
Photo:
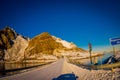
x=7 y=35
x=2 y=53
x=113 y=59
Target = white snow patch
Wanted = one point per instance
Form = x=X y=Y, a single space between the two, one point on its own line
x=64 y=43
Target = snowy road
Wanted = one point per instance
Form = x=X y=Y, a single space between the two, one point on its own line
x=45 y=73
x=54 y=70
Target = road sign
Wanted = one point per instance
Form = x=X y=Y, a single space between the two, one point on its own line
x=90 y=46
x=115 y=41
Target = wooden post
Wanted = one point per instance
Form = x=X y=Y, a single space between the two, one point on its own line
x=112 y=69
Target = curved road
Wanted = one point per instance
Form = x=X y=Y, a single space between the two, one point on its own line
x=54 y=70
x=45 y=73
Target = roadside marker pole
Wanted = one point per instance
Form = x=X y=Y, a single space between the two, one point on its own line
x=101 y=62
x=114 y=50
x=90 y=49
x=90 y=57
x=113 y=42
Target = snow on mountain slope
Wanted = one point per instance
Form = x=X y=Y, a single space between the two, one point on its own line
x=16 y=53
x=66 y=44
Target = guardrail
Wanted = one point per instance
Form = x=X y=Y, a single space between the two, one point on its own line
x=107 y=66
x=18 y=69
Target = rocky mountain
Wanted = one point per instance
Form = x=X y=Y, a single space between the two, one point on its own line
x=42 y=44
x=69 y=46
x=51 y=45
x=7 y=35
x=15 y=47
x=66 y=44
x=16 y=52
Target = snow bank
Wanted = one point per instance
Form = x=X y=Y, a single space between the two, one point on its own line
x=85 y=74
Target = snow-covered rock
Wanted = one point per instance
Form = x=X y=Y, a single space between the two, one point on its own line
x=16 y=53
x=66 y=44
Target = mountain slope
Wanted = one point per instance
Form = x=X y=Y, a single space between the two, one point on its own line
x=42 y=44
x=50 y=45
x=7 y=35
x=14 y=47
x=16 y=53
x=66 y=44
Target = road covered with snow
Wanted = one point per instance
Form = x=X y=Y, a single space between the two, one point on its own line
x=45 y=73
x=54 y=70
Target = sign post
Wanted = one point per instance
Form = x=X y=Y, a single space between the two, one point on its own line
x=90 y=49
x=114 y=41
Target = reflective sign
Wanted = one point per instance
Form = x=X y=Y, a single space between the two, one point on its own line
x=115 y=41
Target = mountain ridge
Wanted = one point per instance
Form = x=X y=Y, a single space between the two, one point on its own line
x=42 y=44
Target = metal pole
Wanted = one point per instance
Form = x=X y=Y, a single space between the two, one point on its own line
x=90 y=56
x=114 y=50
x=101 y=62
x=112 y=70
x=90 y=49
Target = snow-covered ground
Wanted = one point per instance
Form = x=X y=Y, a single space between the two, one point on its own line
x=63 y=67
x=85 y=74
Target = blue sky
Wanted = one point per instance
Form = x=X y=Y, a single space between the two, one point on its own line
x=77 y=21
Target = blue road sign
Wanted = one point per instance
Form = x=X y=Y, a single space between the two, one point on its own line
x=115 y=41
